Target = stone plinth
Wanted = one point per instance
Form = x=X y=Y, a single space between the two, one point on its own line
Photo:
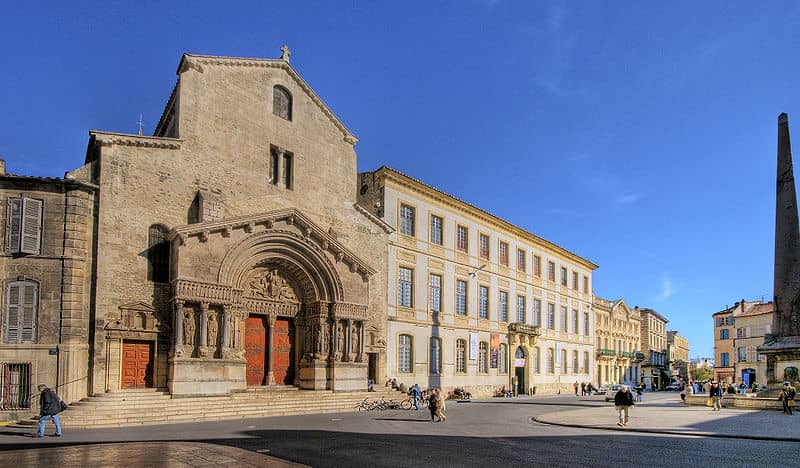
x=190 y=377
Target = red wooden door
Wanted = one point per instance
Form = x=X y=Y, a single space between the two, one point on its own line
x=137 y=364
x=255 y=349
x=282 y=356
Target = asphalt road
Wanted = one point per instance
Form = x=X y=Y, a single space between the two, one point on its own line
x=494 y=433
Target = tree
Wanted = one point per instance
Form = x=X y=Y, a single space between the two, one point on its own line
x=702 y=373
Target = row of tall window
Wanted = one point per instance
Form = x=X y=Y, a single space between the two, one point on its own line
x=565 y=365
x=405 y=356
x=407 y=225
x=617 y=345
x=569 y=322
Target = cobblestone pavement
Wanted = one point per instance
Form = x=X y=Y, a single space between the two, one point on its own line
x=151 y=454
x=578 y=431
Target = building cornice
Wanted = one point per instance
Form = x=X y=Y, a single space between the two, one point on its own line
x=196 y=62
x=408 y=182
x=381 y=223
x=125 y=139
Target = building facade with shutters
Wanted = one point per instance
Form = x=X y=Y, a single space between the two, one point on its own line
x=474 y=301
x=654 y=346
x=45 y=266
x=753 y=321
x=678 y=350
x=618 y=346
x=723 y=345
x=225 y=251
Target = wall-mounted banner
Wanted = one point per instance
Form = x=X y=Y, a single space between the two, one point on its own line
x=519 y=362
x=495 y=343
x=473 y=346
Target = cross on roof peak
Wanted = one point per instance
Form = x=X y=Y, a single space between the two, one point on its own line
x=285 y=52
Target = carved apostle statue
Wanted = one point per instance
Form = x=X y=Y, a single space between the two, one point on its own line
x=188 y=327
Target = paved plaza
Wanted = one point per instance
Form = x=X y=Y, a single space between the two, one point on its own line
x=541 y=431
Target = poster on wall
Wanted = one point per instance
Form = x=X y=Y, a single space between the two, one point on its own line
x=495 y=344
x=473 y=346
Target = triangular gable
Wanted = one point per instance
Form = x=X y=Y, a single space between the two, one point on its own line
x=199 y=61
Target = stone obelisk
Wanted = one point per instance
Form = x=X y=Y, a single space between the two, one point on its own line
x=782 y=348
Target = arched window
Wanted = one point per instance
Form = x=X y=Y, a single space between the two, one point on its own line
x=461 y=355
x=483 y=357
x=502 y=357
x=404 y=355
x=282 y=102
x=551 y=365
x=158 y=254
x=22 y=303
x=436 y=356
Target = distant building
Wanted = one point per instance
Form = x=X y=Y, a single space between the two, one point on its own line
x=752 y=322
x=618 y=347
x=723 y=345
x=678 y=350
x=654 y=346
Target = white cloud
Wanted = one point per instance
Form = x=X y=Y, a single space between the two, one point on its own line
x=628 y=199
x=667 y=290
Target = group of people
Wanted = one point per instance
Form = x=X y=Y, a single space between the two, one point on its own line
x=435 y=401
x=586 y=388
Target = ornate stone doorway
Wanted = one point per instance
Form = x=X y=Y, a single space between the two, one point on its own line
x=255 y=350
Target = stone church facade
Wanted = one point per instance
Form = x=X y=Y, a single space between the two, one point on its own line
x=225 y=251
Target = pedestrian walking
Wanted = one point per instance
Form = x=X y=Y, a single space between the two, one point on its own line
x=787 y=397
x=575 y=386
x=583 y=388
x=416 y=394
x=639 y=393
x=683 y=392
x=715 y=393
x=623 y=400
x=432 y=404
x=49 y=407
x=439 y=405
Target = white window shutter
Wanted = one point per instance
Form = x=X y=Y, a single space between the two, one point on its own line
x=13 y=315
x=14 y=224
x=31 y=226
x=29 y=299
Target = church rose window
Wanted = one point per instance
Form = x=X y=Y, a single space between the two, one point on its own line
x=281 y=102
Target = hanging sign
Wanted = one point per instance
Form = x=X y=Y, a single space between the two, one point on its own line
x=495 y=352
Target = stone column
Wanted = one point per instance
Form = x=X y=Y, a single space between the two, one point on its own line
x=334 y=344
x=177 y=329
x=226 y=331
x=270 y=340
x=362 y=336
x=203 y=345
x=348 y=324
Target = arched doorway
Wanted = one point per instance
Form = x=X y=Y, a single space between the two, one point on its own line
x=519 y=370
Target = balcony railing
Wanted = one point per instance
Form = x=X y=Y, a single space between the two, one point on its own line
x=606 y=352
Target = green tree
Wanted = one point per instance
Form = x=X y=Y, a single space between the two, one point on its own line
x=702 y=373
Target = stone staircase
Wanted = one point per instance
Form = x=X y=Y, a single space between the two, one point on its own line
x=134 y=407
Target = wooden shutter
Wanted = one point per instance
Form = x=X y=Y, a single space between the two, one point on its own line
x=14 y=304
x=15 y=224
x=29 y=299
x=31 y=226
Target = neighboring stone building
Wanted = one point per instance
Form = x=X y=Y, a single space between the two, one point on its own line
x=723 y=345
x=475 y=301
x=618 y=346
x=753 y=322
x=230 y=251
x=46 y=266
x=654 y=346
x=678 y=351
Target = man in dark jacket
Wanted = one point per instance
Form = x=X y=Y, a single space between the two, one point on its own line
x=787 y=397
x=623 y=400
x=49 y=407
x=715 y=392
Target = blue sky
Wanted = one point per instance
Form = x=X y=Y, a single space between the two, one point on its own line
x=641 y=137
